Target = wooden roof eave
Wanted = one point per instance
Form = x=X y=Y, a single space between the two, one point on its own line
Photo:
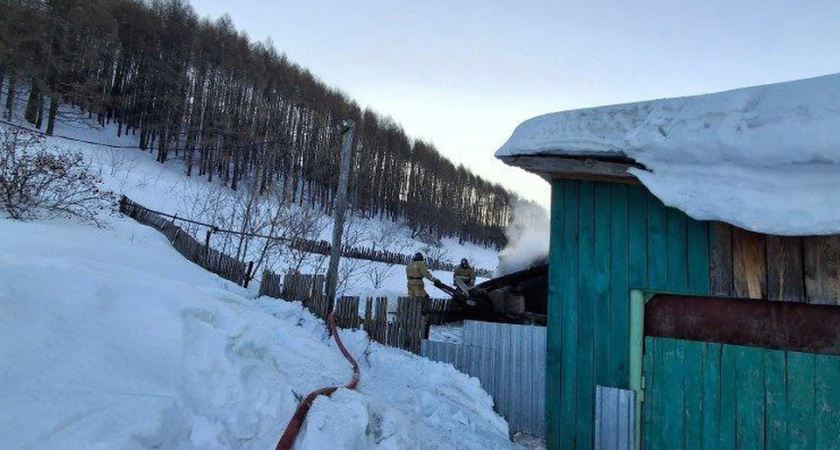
x=578 y=167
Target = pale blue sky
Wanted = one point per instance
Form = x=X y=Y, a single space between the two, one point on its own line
x=463 y=73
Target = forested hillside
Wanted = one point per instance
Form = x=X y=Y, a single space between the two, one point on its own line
x=232 y=110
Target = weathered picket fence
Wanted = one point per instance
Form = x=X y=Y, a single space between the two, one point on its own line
x=215 y=261
x=407 y=330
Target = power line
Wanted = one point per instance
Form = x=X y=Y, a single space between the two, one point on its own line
x=212 y=228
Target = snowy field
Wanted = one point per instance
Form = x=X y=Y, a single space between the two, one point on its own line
x=111 y=339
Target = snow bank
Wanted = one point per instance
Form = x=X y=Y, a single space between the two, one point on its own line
x=764 y=158
x=110 y=339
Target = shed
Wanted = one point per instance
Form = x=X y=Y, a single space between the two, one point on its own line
x=695 y=260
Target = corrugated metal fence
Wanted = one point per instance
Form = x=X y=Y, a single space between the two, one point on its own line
x=509 y=360
x=615 y=419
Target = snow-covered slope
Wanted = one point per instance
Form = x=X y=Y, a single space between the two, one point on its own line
x=110 y=339
x=765 y=158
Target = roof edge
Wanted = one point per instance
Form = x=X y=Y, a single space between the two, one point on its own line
x=588 y=167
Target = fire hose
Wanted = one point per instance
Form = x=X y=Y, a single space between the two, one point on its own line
x=293 y=428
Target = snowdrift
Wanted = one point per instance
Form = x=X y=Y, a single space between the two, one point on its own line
x=110 y=339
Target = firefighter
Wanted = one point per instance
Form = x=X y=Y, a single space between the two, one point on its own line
x=465 y=273
x=416 y=271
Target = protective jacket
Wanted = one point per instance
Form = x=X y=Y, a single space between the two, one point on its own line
x=466 y=274
x=416 y=271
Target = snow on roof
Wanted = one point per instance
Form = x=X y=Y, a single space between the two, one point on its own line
x=764 y=158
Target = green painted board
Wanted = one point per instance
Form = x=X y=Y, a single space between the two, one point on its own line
x=555 y=314
x=568 y=329
x=749 y=402
x=693 y=387
x=586 y=318
x=677 y=264
x=711 y=396
x=637 y=229
x=673 y=395
x=698 y=257
x=604 y=371
x=728 y=395
x=650 y=374
x=800 y=382
x=775 y=399
x=619 y=290
x=657 y=246
x=827 y=401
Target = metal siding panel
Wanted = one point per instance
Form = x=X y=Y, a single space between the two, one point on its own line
x=615 y=419
x=516 y=376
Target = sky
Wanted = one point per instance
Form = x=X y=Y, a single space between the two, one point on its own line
x=462 y=74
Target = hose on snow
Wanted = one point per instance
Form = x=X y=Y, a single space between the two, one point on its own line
x=296 y=422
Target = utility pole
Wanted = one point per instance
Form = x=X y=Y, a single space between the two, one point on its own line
x=348 y=131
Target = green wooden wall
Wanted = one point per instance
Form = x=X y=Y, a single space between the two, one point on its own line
x=703 y=395
x=606 y=239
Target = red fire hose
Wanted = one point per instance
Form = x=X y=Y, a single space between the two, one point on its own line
x=293 y=428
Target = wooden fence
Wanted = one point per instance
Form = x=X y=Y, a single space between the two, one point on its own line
x=215 y=261
x=409 y=327
x=371 y=254
x=406 y=331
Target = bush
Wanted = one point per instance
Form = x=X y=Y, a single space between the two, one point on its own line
x=38 y=182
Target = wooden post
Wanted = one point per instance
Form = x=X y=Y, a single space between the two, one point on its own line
x=248 y=275
x=340 y=206
x=206 y=247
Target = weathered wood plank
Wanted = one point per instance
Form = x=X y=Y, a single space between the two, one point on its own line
x=785 y=270
x=693 y=386
x=698 y=257
x=721 y=260
x=800 y=384
x=637 y=210
x=602 y=334
x=650 y=396
x=568 y=248
x=586 y=320
x=775 y=399
x=675 y=234
x=556 y=310
x=749 y=264
x=619 y=290
x=673 y=394
x=822 y=269
x=613 y=169
x=827 y=402
x=749 y=398
x=711 y=396
x=728 y=394
x=657 y=245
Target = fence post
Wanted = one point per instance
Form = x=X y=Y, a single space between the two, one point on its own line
x=248 y=275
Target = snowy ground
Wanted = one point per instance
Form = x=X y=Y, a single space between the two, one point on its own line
x=164 y=187
x=110 y=339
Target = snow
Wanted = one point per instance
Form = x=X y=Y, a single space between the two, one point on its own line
x=764 y=158
x=111 y=339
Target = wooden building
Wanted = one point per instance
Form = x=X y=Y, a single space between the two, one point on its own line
x=730 y=337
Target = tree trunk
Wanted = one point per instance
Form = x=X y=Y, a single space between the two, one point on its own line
x=52 y=114
x=31 y=114
x=10 y=98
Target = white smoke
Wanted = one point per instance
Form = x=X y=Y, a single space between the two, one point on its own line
x=528 y=238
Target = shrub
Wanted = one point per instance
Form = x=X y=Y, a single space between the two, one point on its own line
x=39 y=182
